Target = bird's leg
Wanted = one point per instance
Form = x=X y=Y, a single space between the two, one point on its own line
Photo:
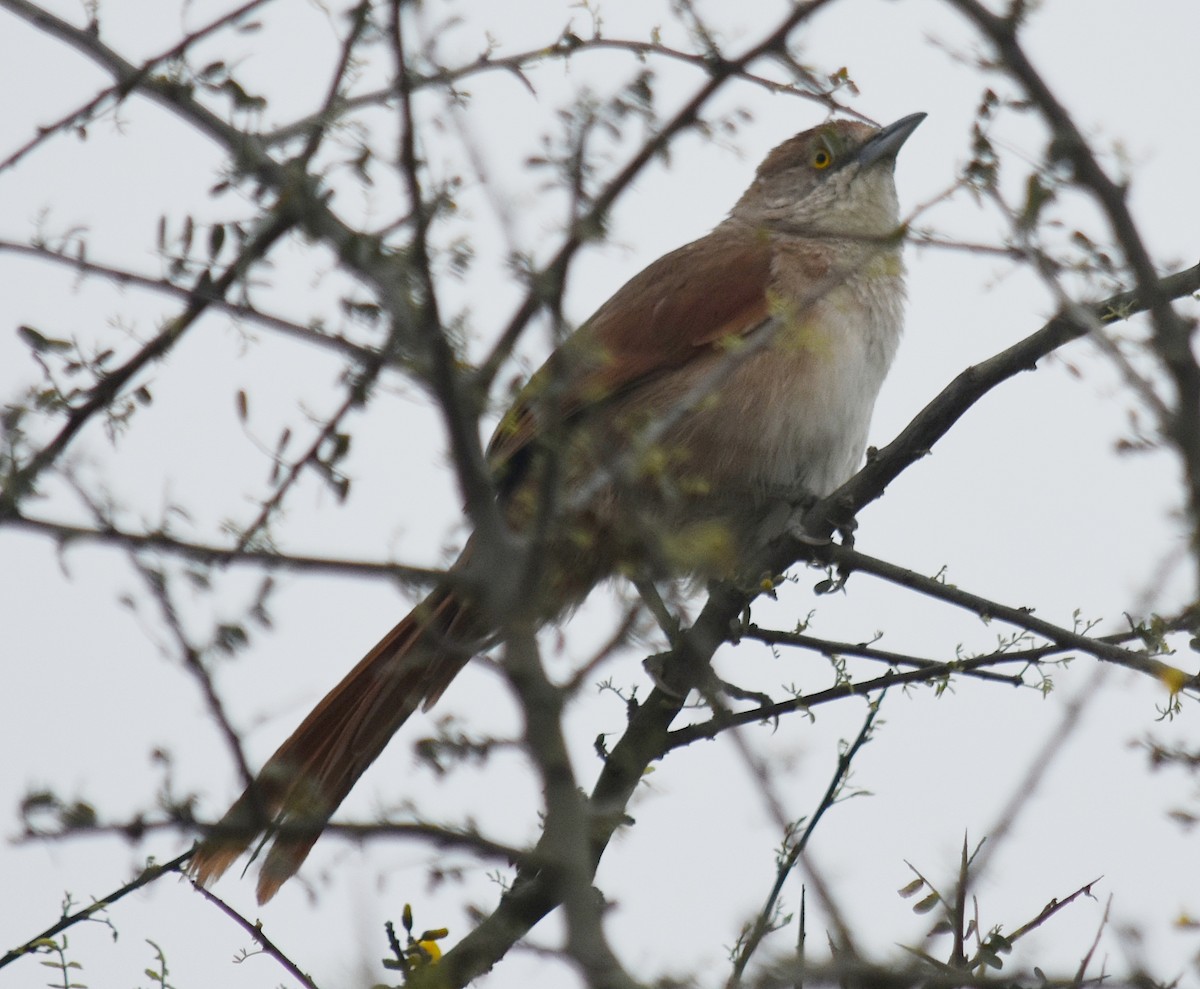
x=810 y=531
x=656 y=666
x=652 y=599
x=741 y=693
x=846 y=525
x=711 y=687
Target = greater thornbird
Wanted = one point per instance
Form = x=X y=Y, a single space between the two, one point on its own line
x=735 y=371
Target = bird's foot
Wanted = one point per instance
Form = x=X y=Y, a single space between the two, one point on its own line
x=666 y=679
x=741 y=693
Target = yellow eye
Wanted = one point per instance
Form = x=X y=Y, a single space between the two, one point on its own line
x=821 y=158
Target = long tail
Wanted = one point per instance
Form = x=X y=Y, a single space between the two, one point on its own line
x=311 y=773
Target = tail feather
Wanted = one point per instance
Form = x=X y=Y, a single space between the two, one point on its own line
x=311 y=773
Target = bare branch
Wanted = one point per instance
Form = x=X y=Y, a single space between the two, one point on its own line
x=255 y=930
x=239 y=310
x=66 y=533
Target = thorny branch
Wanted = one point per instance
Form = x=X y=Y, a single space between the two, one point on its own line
x=569 y=46
x=66 y=534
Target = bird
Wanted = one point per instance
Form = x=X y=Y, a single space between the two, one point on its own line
x=732 y=374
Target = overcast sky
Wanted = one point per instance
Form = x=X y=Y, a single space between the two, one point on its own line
x=1028 y=501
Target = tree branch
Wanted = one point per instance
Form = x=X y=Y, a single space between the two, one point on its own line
x=23 y=478
x=239 y=310
x=936 y=419
x=1172 y=335
x=65 y=533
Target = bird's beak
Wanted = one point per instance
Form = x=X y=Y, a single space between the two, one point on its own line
x=884 y=145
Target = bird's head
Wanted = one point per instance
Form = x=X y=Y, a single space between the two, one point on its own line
x=833 y=180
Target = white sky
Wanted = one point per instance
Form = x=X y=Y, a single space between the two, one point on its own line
x=1026 y=501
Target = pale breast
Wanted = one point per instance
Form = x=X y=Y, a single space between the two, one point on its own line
x=822 y=375
x=791 y=417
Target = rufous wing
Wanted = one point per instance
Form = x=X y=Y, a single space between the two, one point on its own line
x=687 y=301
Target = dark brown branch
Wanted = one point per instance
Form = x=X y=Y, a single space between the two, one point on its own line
x=439 y=836
x=830 y=647
x=1050 y=909
x=1024 y=618
x=532 y=896
x=359 y=19
x=795 y=848
x=457 y=397
x=192 y=660
x=705 y=730
x=1101 y=648
x=1032 y=655
x=364 y=379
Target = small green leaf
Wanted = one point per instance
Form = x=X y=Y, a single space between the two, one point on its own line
x=39 y=342
x=78 y=815
x=926 y=904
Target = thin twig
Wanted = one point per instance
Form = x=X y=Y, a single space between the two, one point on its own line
x=255 y=930
x=147 y=876
x=22 y=480
x=66 y=533
x=1172 y=335
x=565 y=48
x=762 y=922
x=239 y=310
x=115 y=92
